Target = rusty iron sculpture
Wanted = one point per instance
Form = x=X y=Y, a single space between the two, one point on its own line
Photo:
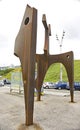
x=25 y=49
x=45 y=60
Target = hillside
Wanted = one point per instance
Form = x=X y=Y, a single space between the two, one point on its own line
x=53 y=73
x=7 y=73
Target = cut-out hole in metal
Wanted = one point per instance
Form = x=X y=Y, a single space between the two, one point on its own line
x=26 y=21
x=68 y=56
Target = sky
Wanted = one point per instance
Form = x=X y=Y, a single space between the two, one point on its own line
x=61 y=14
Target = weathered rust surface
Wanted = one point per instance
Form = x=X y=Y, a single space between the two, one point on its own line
x=25 y=49
x=45 y=60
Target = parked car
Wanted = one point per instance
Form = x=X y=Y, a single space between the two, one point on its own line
x=60 y=85
x=76 y=86
x=1 y=83
x=48 y=85
x=6 y=81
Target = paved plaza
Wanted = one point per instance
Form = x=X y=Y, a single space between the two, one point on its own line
x=53 y=112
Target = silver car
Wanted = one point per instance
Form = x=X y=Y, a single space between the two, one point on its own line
x=48 y=85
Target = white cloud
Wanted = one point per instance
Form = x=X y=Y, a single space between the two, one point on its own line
x=61 y=14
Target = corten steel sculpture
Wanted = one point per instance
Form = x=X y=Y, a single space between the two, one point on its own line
x=25 y=49
x=45 y=60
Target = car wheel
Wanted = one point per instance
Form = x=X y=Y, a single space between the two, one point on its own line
x=59 y=88
x=47 y=86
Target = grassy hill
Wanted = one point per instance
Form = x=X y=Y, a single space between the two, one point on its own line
x=7 y=73
x=53 y=73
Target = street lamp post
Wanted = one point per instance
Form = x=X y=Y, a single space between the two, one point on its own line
x=60 y=45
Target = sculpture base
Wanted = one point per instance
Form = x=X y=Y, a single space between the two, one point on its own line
x=31 y=127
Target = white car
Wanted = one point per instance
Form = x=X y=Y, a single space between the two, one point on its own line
x=48 y=85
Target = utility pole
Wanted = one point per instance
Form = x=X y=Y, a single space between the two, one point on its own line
x=60 y=45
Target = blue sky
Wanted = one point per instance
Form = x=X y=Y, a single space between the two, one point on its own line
x=61 y=14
